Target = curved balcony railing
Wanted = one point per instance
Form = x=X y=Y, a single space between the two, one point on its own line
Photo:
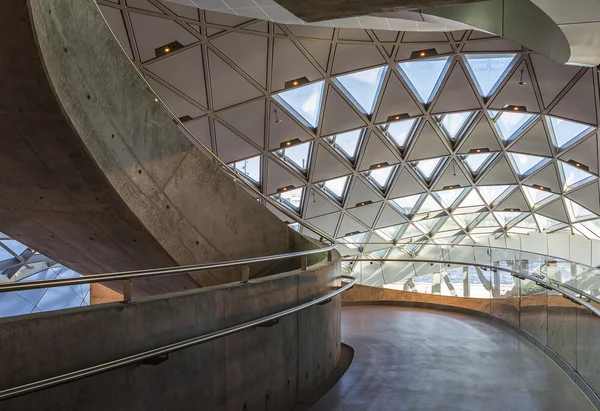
x=570 y=276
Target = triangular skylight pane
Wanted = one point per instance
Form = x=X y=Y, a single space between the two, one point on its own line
x=488 y=70
x=524 y=163
x=449 y=196
x=427 y=168
x=594 y=227
x=464 y=220
x=564 y=131
x=488 y=221
x=548 y=224
x=292 y=198
x=380 y=177
x=450 y=225
x=577 y=212
x=574 y=176
x=429 y=205
x=354 y=241
x=297 y=155
x=453 y=124
x=424 y=76
x=250 y=168
x=528 y=223
x=400 y=131
x=472 y=199
x=407 y=204
x=506 y=217
x=389 y=233
x=510 y=124
x=305 y=101
x=492 y=194
x=363 y=87
x=411 y=231
x=335 y=187
x=475 y=161
x=347 y=143
x=536 y=197
x=426 y=226
x=295 y=226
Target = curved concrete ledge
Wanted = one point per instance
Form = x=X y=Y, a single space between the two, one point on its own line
x=98 y=176
x=266 y=368
x=523 y=317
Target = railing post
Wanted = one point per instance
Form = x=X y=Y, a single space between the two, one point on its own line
x=127 y=290
x=245 y=273
x=303 y=263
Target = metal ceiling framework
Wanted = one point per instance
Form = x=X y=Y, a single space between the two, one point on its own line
x=224 y=75
x=15 y=257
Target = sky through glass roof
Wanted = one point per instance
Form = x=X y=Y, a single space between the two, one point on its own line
x=488 y=70
x=363 y=87
x=424 y=76
x=305 y=100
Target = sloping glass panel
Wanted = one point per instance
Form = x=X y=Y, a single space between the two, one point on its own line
x=564 y=131
x=488 y=70
x=380 y=177
x=429 y=205
x=506 y=217
x=347 y=142
x=547 y=224
x=475 y=161
x=400 y=131
x=584 y=231
x=509 y=124
x=291 y=197
x=452 y=124
x=295 y=226
x=389 y=233
x=488 y=221
x=464 y=220
x=250 y=168
x=472 y=199
x=353 y=241
x=363 y=87
x=574 y=176
x=450 y=225
x=577 y=212
x=407 y=204
x=448 y=197
x=426 y=226
x=336 y=187
x=593 y=226
x=493 y=193
x=305 y=102
x=424 y=76
x=528 y=224
x=524 y=163
x=298 y=155
x=428 y=167
x=536 y=197
x=411 y=231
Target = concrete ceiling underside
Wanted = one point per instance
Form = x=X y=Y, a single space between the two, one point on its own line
x=538 y=165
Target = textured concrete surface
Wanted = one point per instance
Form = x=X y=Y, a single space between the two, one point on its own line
x=96 y=174
x=421 y=360
x=265 y=368
x=319 y=10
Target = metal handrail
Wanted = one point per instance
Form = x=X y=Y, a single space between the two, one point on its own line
x=576 y=298
x=166 y=349
x=158 y=272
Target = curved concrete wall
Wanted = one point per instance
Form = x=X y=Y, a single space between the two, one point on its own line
x=96 y=175
x=258 y=369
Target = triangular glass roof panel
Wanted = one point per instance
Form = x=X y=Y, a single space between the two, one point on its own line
x=548 y=224
x=537 y=197
x=488 y=221
x=527 y=225
x=292 y=198
x=494 y=194
x=592 y=228
x=335 y=187
x=577 y=212
x=249 y=167
x=453 y=125
x=401 y=131
x=424 y=76
x=464 y=220
x=506 y=217
x=380 y=177
x=347 y=143
x=525 y=163
x=574 y=177
x=450 y=225
x=304 y=102
x=429 y=205
x=297 y=155
x=426 y=226
x=389 y=233
x=407 y=204
x=363 y=87
x=475 y=161
x=564 y=132
x=427 y=168
x=510 y=124
x=449 y=196
x=411 y=231
x=472 y=199
x=488 y=70
x=353 y=241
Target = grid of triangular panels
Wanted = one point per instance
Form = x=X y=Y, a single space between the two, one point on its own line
x=379 y=136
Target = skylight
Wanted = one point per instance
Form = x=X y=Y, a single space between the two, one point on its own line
x=335 y=187
x=476 y=161
x=412 y=231
x=493 y=193
x=577 y=212
x=488 y=221
x=389 y=233
x=250 y=168
x=304 y=102
x=525 y=226
x=537 y=197
x=292 y=198
x=564 y=132
x=352 y=240
x=426 y=226
x=509 y=124
x=295 y=226
x=428 y=167
x=407 y=204
x=450 y=225
x=400 y=131
x=464 y=220
x=363 y=87
x=547 y=223
x=449 y=196
x=592 y=229
x=429 y=205
x=472 y=199
x=298 y=155
x=525 y=163
x=453 y=124
x=574 y=176
x=488 y=70
x=380 y=176
x=347 y=142
x=424 y=76
x=506 y=217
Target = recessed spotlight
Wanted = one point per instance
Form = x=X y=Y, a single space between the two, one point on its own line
x=295 y=83
x=422 y=54
x=155 y=100
x=515 y=108
x=541 y=187
x=167 y=49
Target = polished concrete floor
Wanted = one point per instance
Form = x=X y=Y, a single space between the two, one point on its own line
x=421 y=360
